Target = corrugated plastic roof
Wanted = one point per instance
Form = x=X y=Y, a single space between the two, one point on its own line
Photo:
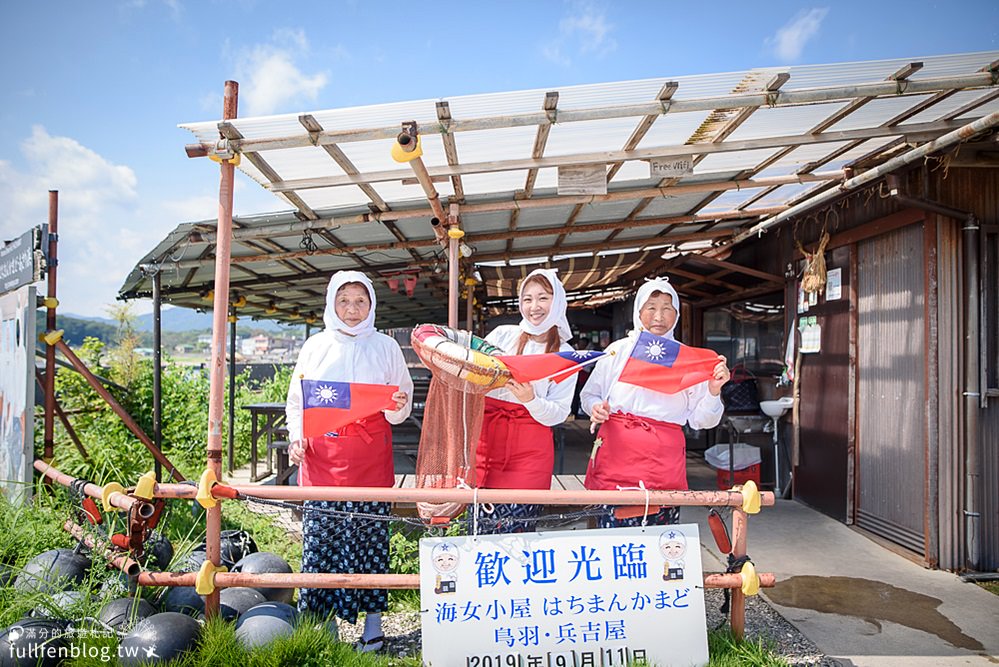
x=733 y=127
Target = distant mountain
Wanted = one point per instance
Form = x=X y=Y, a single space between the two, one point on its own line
x=186 y=319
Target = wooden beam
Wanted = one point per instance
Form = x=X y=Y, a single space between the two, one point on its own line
x=314 y=128
x=450 y=149
x=913 y=131
x=747 y=99
x=737 y=268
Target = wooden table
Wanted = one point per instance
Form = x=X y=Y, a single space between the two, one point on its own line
x=267 y=423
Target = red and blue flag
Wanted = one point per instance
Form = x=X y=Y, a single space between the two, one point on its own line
x=329 y=406
x=666 y=366
x=555 y=366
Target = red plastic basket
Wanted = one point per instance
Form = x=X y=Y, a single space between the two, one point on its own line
x=741 y=477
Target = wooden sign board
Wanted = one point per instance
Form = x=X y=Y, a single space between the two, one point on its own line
x=22 y=260
x=588 y=179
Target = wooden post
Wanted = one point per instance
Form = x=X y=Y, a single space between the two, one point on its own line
x=739 y=539
x=220 y=309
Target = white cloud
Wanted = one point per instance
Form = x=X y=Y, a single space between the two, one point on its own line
x=789 y=41
x=583 y=31
x=104 y=225
x=270 y=79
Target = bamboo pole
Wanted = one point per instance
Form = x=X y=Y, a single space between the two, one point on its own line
x=216 y=410
x=126 y=418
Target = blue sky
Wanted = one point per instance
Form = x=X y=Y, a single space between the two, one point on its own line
x=93 y=91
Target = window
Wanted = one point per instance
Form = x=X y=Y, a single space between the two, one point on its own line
x=749 y=333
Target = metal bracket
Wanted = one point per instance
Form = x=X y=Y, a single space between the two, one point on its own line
x=204 y=583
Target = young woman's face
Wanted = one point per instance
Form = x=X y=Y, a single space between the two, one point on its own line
x=658 y=314
x=352 y=304
x=535 y=303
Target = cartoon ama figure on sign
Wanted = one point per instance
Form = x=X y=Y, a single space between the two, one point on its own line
x=673 y=546
x=444 y=558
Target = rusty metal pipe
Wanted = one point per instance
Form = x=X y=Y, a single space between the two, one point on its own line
x=50 y=324
x=40 y=379
x=118 y=410
x=468 y=496
x=120 y=561
x=384 y=581
x=120 y=500
x=216 y=410
x=739 y=539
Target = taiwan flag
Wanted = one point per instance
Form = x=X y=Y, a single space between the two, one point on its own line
x=664 y=365
x=329 y=406
x=555 y=366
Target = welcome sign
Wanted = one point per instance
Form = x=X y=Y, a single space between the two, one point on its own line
x=594 y=598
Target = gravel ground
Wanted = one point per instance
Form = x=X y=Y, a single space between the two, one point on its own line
x=402 y=631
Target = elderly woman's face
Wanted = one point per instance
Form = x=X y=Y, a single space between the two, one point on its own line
x=352 y=304
x=658 y=314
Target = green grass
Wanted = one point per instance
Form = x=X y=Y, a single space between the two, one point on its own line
x=26 y=532
x=990 y=586
x=725 y=651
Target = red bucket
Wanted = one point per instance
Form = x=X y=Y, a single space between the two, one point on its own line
x=741 y=477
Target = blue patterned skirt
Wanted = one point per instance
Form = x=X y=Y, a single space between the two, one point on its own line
x=336 y=544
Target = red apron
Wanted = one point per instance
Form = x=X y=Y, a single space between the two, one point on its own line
x=360 y=456
x=514 y=451
x=637 y=449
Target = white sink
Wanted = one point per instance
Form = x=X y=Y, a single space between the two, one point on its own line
x=776 y=409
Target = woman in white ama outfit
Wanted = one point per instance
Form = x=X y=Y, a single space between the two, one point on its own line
x=515 y=449
x=359 y=454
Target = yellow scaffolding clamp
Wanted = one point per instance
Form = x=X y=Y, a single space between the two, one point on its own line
x=205 y=484
x=145 y=486
x=751 y=498
x=204 y=583
x=750 y=580
x=109 y=488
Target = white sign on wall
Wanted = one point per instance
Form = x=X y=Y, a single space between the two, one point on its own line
x=17 y=392
x=595 y=598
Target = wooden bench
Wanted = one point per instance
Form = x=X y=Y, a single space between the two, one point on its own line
x=283 y=468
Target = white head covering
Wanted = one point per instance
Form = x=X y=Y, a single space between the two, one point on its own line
x=330 y=319
x=645 y=291
x=556 y=316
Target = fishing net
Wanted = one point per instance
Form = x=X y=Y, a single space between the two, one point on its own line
x=464 y=370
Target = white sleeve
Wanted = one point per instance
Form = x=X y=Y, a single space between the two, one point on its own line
x=400 y=376
x=293 y=404
x=598 y=385
x=705 y=410
x=552 y=408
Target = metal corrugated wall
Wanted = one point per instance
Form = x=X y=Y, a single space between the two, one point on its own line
x=975 y=190
x=891 y=444
x=951 y=338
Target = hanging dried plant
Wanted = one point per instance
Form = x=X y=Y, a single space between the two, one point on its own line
x=814 y=275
